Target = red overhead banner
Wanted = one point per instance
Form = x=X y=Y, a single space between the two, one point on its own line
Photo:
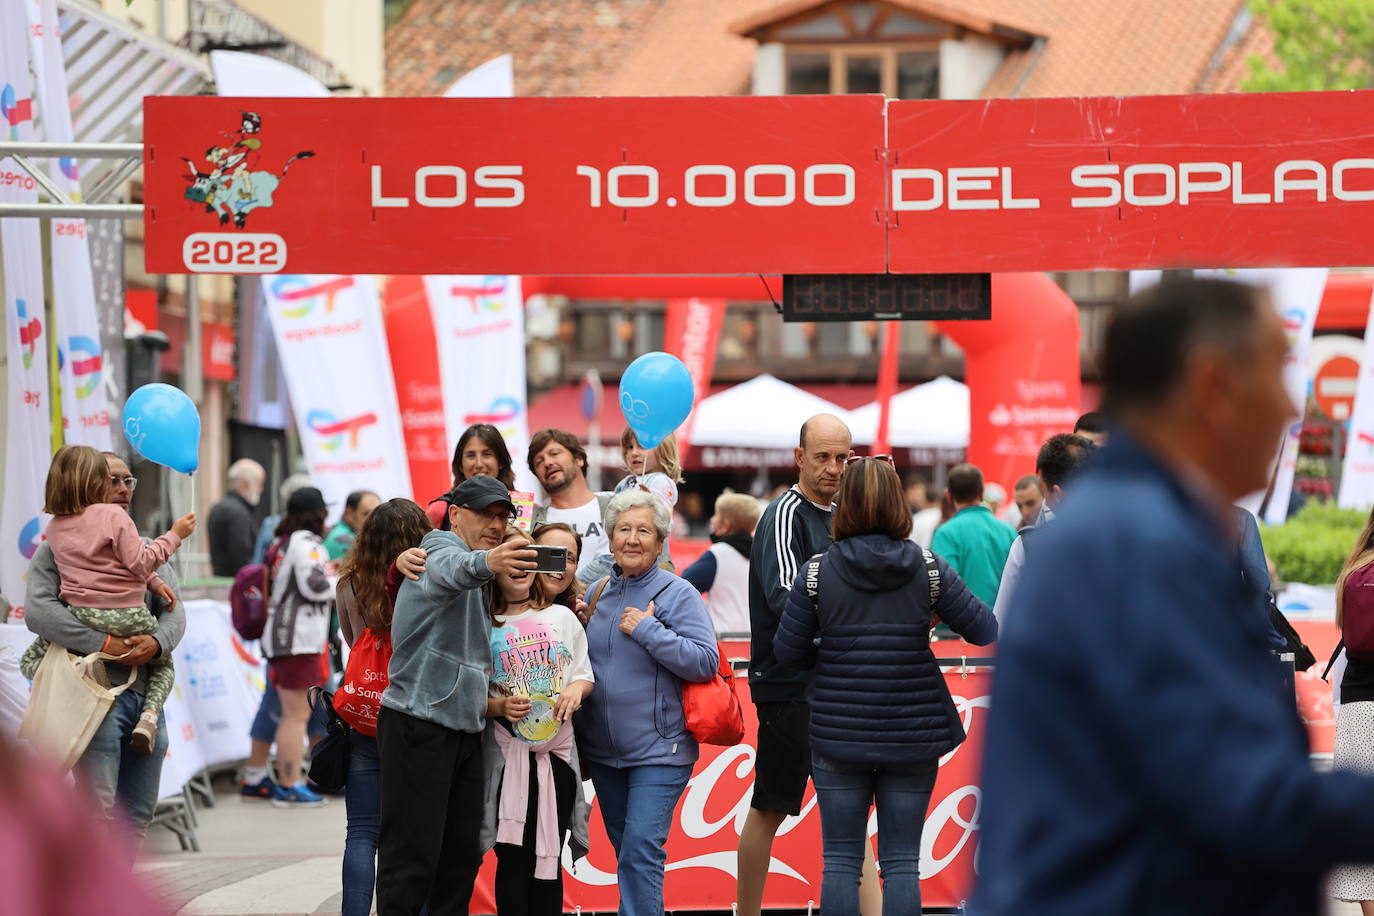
x=1249 y=180
x=515 y=186
x=745 y=185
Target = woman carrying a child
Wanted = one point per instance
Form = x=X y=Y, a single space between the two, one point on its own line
x=113 y=775
x=105 y=569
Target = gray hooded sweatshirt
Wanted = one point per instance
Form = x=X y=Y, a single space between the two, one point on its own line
x=440 y=638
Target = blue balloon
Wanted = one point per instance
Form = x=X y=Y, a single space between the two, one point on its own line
x=655 y=396
x=163 y=425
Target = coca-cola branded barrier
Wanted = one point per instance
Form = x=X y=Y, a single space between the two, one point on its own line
x=700 y=872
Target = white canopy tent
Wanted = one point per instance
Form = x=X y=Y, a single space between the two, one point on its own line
x=933 y=415
x=764 y=412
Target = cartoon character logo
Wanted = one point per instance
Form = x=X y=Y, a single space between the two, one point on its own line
x=234 y=185
x=332 y=430
x=14 y=110
x=293 y=288
x=30 y=329
x=86 y=364
x=489 y=296
x=30 y=536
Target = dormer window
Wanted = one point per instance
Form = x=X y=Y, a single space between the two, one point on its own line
x=904 y=49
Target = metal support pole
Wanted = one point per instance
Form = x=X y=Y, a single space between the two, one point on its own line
x=73 y=211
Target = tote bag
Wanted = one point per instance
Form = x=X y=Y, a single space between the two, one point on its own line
x=67 y=705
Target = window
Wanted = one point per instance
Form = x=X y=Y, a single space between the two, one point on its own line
x=897 y=71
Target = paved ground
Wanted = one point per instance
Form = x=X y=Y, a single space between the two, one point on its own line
x=254 y=859
x=257 y=860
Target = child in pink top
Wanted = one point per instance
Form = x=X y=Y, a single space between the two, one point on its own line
x=106 y=568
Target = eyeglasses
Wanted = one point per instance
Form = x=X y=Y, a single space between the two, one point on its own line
x=130 y=482
x=885 y=458
x=497 y=516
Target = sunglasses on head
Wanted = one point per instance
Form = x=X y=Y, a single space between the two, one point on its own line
x=884 y=458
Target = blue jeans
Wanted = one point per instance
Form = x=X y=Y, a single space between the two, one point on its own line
x=264 y=727
x=116 y=772
x=363 y=799
x=637 y=807
x=845 y=792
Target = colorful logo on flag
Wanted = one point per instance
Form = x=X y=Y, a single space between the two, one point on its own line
x=1366 y=440
x=30 y=329
x=14 y=110
x=332 y=430
x=86 y=364
x=487 y=296
x=30 y=536
x=297 y=289
x=69 y=169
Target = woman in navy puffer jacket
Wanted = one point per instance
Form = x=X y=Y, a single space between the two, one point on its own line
x=881 y=715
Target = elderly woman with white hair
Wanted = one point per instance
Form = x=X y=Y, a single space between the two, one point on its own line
x=648 y=632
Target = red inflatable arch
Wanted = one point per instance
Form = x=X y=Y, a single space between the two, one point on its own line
x=1023 y=373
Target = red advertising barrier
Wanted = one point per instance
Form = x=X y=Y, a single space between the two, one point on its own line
x=700 y=872
x=747 y=185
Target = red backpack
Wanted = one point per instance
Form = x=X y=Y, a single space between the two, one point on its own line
x=252 y=590
x=711 y=710
x=359 y=697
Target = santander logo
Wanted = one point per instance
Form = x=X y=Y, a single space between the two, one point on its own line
x=1000 y=415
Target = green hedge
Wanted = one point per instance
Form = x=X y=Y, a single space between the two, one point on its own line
x=1312 y=546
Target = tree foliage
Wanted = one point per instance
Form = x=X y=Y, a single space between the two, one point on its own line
x=1319 y=44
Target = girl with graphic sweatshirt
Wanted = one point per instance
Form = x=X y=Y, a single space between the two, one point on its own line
x=540 y=675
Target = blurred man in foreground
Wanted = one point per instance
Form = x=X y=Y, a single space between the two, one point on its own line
x=1142 y=755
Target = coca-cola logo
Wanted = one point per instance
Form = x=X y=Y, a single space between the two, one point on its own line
x=701 y=849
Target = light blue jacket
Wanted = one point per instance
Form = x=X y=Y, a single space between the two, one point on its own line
x=441 y=638
x=634 y=716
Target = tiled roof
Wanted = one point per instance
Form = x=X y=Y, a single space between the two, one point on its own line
x=561 y=47
x=689 y=47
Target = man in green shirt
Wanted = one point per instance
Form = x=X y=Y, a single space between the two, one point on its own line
x=357 y=508
x=974 y=542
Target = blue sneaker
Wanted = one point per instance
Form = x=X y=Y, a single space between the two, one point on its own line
x=298 y=796
x=262 y=790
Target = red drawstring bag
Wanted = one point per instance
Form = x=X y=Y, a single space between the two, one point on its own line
x=359 y=697
x=712 y=709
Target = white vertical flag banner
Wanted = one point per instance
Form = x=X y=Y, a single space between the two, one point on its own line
x=1297 y=296
x=1296 y=293
x=27 y=418
x=333 y=352
x=1357 y=469
x=479 y=322
x=479 y=327
x=81 y=362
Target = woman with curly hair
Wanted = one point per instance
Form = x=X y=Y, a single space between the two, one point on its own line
x=364 y=603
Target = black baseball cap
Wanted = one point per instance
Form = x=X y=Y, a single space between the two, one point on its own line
x=306 y=499
x=479 y=493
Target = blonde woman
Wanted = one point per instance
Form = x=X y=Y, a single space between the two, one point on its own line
x=1355 y=724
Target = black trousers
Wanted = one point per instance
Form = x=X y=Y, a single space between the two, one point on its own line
x=428 y=851
x=518 y=892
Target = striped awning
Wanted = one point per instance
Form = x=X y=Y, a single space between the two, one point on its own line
x=111 y=67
